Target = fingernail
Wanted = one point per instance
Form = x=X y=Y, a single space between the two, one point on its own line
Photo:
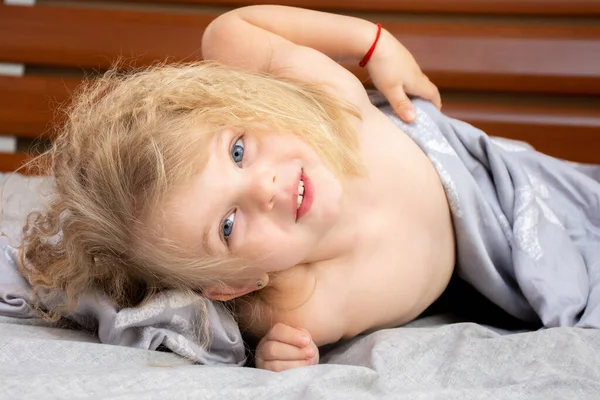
x=305 y=340
x=310 y=353
x=409 y=115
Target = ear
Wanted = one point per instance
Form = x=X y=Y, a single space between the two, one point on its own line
x=227 y=292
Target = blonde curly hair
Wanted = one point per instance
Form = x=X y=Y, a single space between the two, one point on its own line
x=130 y=139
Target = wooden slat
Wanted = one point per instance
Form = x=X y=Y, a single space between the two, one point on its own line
x=566 y=129
x=28 y=104
x=567 y=132
x=542 y=59
x=497 y=7
x=95 y=38
x=11 y=162
x=506 y=64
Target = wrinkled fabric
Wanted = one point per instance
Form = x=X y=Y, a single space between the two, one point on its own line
x=431 y=359
x=170 y=319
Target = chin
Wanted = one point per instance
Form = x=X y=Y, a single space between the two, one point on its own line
x=282 y=262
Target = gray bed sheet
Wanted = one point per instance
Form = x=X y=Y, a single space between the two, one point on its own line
x=432 y=358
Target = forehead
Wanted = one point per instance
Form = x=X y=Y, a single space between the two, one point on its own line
x=187 y=213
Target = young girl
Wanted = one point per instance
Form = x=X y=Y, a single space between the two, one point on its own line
x=267 y=178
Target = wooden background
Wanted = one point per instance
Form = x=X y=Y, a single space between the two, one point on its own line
x=523 y=69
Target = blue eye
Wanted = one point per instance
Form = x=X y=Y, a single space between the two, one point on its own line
x=237 y=151
x=227 y=226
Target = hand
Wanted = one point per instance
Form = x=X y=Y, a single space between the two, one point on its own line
x=395 y=73
x=284 y=347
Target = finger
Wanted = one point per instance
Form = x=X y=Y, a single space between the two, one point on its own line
x=402 y=105
x=273 y=350
x=287 y=334
x=280 y=366
x=314 y=359
x=425 y=89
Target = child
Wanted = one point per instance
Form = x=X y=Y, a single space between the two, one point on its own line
x=268 y=179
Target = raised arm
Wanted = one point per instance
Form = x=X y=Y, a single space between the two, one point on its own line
x=289 y=41
x=342 y=38
x=304 y=43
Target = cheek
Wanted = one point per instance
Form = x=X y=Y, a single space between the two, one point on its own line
x=328 y=195
x=288 y=146
x=272 y=250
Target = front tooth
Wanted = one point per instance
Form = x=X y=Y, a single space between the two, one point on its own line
x=300 y=198
x=301 y=188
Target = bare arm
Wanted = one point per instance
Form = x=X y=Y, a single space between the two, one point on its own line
x=342 y=38
x=291 y=41
x=304 y=43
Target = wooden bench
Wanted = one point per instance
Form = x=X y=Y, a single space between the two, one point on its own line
x=527 y=70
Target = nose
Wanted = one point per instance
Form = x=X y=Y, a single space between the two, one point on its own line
x=261 y=189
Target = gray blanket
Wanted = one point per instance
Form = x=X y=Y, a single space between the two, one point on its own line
x=435 y=359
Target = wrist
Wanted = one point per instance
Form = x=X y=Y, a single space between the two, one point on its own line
x=384 y=44
x=365 y=59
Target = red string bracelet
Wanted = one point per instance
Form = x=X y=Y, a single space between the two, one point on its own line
x=369 y=53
